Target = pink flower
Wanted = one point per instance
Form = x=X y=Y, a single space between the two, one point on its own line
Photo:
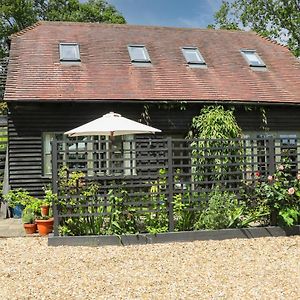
x=280 y=167
x=298 y=176
x=257 y=174
x=270 y=177
x=291 y=191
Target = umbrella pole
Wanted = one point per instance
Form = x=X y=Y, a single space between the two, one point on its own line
x=110 y=154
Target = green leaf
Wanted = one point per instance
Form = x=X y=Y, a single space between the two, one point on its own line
x=276 y=19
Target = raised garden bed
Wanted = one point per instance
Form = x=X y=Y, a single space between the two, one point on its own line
x=183 y=236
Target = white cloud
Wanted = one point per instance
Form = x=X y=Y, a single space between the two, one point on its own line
x=193 y=22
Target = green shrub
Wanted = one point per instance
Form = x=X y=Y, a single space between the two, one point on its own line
x=215 y=155
x=221 y=207
x=49 y=197
x=28 y=216
x=184 y=214
x=223 y=210
x=17 y=197
x=281 y=193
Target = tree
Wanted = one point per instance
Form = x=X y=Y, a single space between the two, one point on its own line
x=276 y=19
x=16 y=15
x=216 y=150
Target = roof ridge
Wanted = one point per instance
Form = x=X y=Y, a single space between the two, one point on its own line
x=142 y=26
x=41 y=22
x=21 y=32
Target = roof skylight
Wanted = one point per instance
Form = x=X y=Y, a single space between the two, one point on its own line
x=69 y=52
x=253 y=58
x=193 y=56
x=139 y=54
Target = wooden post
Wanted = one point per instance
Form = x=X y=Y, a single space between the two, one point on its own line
x=170 y=184
x=271 y=156
x=55 y=185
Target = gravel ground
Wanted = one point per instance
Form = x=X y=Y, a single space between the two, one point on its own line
x=264 y=268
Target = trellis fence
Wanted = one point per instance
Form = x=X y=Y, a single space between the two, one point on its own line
x=147 y=180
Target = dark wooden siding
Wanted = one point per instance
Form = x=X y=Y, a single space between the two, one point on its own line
x=3 y=74
x=27 y=122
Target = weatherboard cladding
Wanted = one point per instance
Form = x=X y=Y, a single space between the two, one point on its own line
x=106 y=72
x=27 y=122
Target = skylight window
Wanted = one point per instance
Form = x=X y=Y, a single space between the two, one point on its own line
x=193 y=56
x=253 y=58
x=139 y=54
x=69 y=52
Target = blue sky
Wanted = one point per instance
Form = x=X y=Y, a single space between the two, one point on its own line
x=178 y=13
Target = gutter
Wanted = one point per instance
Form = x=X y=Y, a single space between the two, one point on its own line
x=144 y=101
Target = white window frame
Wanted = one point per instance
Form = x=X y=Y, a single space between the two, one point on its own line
x=137 y=60
x=77 y=52
x=276 y=134
x=128 y=154
x=279 y=136
x=260 y=63
x=47 y=138
x=201 y=60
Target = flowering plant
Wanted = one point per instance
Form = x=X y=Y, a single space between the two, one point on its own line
x=281 y=193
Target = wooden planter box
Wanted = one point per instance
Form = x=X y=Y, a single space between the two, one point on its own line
x=168 y=237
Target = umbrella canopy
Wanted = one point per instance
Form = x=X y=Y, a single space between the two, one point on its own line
x=111 y=124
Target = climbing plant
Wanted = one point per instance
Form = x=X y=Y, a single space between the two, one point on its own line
x=214 y=130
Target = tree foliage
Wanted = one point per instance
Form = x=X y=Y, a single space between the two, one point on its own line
x=276 y=19
x=215 y=150
x=215 y=122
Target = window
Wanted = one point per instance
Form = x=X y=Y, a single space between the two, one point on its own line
x=97 y=156
x=193 y=56
x=69 y=52
x=48 y=137
x=288 y=151
x=116 y=157
x=139 y=54
x=75 y=153
x=253 y=58
x=286 y=146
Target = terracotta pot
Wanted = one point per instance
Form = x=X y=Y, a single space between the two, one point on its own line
x=45 y=226
x=30 y=228
x=45 y=210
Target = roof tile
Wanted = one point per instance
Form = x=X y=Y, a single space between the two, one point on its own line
x=106 y=73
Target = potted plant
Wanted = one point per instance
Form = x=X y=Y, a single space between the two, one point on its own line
x=34 y=204
x=44 y=224
x=45 y=209
x=17 y=199
x=45 y=221
x=28 y=220
x=47 y=201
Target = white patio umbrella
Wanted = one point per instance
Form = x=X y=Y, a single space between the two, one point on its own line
x=111 y=124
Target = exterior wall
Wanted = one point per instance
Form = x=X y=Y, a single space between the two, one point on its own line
x=27 y=122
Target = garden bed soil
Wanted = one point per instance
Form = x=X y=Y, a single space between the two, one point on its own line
x=258 y=268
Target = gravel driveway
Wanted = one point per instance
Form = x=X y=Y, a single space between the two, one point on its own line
x=264 y=268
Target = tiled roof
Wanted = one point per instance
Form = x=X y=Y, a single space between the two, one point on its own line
x=106 y=73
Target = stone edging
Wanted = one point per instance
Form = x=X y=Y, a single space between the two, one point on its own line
x=168 y=237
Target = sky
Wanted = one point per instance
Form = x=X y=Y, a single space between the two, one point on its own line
x=176 y=13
